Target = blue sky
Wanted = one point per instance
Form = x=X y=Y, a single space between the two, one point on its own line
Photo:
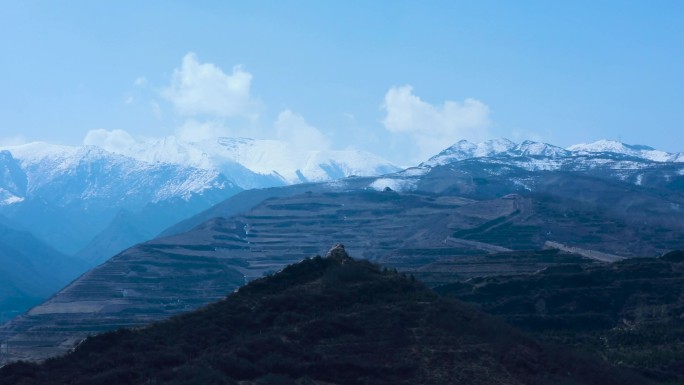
x=399 y=78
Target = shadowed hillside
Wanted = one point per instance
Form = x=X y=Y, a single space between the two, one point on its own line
x=330 y=320
x=30 y=271
x=629 y=313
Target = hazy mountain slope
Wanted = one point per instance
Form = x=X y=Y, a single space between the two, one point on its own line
x=627 y=313
x=13 y=180
x=70 y=194
x=130 y=228
x=30 y=271
x=322 y=321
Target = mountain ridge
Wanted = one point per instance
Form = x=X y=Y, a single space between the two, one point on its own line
x=497 y=148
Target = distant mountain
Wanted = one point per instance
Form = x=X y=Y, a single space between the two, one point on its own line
x=330 y=320
x=67 y=195
x=638 y=151
x=128 y=228
x=549 y=155
x=30 y=271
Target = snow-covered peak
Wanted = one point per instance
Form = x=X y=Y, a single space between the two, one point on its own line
x=267 y=156
x=465 y=150
x=337 y=164
x=531 y=148
x=494 y=147
x=546 y=156
x=602 y=145
x=262 y=156
x=168 y=150
x=65 y=174
x=615 y=147
x=36 y=151
x=56 y=158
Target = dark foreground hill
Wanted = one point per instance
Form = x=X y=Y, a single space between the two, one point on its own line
x=330 y=320
x=629 y=313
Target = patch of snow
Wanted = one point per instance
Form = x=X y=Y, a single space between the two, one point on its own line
x=530 y=148
x=398 y=185
x=414 y=171
x=466 y=150
x=11 y=200
x=521 y=183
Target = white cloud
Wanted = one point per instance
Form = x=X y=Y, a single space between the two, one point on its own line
x=156 y=109
x=292 y=128
x=520 y=135
x=118 y=141
x=16 y=140
x=204 y=89
x=196 y=131
x=433 y=127
x=140 y=81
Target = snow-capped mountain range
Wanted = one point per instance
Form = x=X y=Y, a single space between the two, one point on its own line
x=254 y=163
x=66 y=175
x=505 y=148
x=168 y=168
